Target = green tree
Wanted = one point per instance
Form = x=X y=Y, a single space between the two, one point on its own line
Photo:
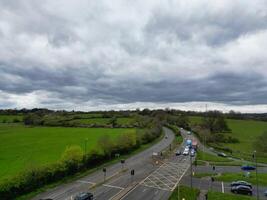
x=261 y=143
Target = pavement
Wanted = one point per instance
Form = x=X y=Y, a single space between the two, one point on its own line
x=153 y=178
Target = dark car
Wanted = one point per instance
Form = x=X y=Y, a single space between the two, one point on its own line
x=244 y=183
x=241 y=189
x=265 y=193
x=178 y=153
x=248 y=167
x=221 y=154
x=84 y=196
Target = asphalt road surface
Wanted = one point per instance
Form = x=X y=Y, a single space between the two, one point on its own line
x=152 y=179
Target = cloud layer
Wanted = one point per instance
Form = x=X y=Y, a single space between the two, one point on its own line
x=91 y=54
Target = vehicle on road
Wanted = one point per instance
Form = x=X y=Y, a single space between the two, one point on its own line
x=265 y=193
x=84 y=196
x=155 y=154
x=244 y=183
x=192 y=153
x=189 y=132
x=248 y=167
x=188 y=143
x=241 y=189
x=166 y=137
x=186 y=151
x=178 y=153
x=221 y=154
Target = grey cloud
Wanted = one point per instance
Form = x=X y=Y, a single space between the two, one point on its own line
x=102 y=53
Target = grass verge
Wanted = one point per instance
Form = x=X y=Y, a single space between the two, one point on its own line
x=185 y=193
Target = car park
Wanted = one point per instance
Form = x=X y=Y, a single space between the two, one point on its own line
x=221 y=154
x=237 y=183
x=84 y=196
x=241 y=189
x=248 y=167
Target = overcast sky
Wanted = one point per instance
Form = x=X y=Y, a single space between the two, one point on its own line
x=94 y=54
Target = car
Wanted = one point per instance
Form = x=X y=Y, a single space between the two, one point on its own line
x=189 y=132
x=192 y=153
x=186 y=152
x=244 y=183
x=178 y=152
x=248 y=167
x=155 y=154
x=241 y=189
x=166 y=137
x=84 y=196
x=221 y=154
x=265 y=193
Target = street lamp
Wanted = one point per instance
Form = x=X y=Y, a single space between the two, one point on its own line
x=255 y=160
x=85 y=146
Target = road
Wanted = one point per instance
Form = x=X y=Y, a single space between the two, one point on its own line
x=152 y=180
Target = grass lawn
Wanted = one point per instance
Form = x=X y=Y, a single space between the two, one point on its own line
x=209 y=157
x=185 y=193
x=224 y=196
x=246 y=131
x=10 y=118
x=21 y=147
x=229 y=177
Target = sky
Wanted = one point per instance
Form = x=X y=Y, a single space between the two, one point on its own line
x=124 y=54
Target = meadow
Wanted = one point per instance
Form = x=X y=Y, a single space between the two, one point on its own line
x=22 y=147
x=246 y=131
x=10 y=118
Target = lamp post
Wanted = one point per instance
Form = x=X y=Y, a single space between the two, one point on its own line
x=85 y=146
x=255 y=160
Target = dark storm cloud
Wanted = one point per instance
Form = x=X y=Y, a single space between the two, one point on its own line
x=62 y=54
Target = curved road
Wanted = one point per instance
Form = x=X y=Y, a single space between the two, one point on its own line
x=118 y=181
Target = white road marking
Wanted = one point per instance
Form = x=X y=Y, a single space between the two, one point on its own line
x=222 y=187
x=113 y=186
x=86 y=182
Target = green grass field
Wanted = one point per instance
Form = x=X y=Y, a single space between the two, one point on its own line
x=10 y=118
x=223 y=196
x=185 y=193
x=246 y=131
x=21 y=147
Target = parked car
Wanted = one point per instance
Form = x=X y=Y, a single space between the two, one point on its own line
x=244 y=183
x=189 y=132
x=222 y=154
x=248 y=167
x=241 y=189
x=265 y=193
x=84 y=196
x=178 y=153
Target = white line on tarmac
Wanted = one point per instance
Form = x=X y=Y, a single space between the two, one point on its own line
x=87 y=182
x=113 y=186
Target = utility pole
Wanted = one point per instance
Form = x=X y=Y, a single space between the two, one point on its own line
x=191 y=181
x=255 y=159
